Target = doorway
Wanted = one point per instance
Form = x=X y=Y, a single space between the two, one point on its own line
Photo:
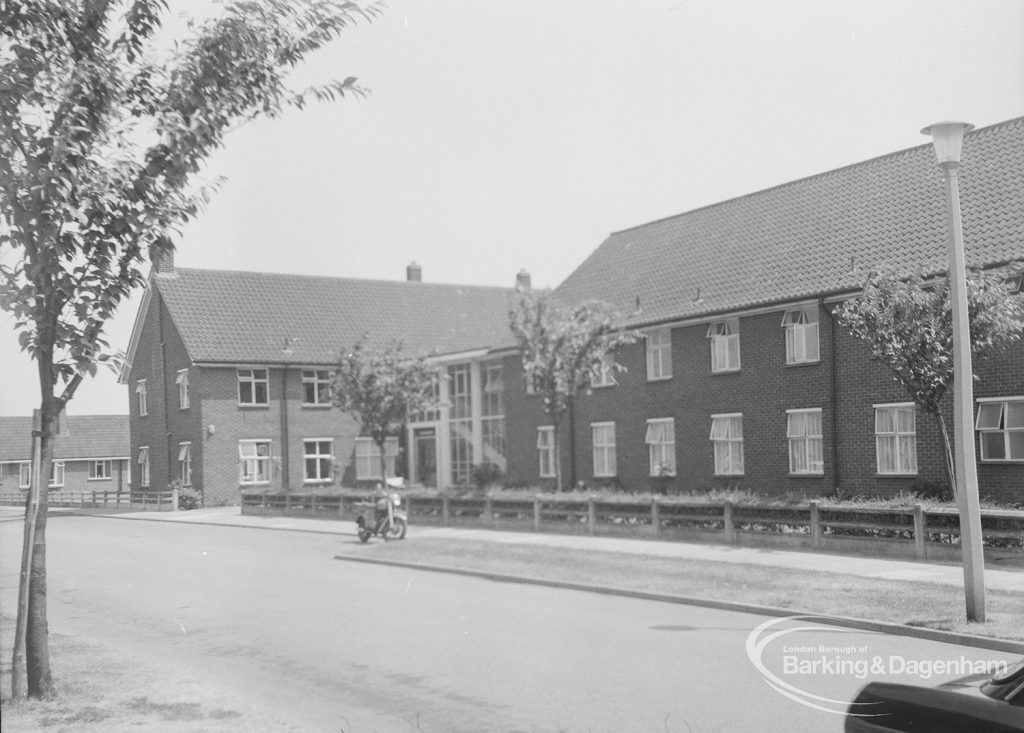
x=425 y=441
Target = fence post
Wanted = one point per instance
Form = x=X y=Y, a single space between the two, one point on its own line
x=920 y=531
x=591 y=515
x=656 y=517
x=174 y=499
x=730 y=530
x=312 y=504
x=536 y=514
x=263 y=505
x=815 y=526
x=445 y=511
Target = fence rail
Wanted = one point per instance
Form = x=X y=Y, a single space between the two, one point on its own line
x=128 y=500
x=914 y=532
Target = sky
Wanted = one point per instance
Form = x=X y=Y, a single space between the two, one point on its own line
x=508 y=136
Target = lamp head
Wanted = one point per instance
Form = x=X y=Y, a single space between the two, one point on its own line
x=948 y=139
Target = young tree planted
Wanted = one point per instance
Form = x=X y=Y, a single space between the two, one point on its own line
x=907 y=324
x=562 y=349
x=102 y=135
x=380 y=388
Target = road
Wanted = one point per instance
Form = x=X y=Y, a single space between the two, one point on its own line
x=339 y=646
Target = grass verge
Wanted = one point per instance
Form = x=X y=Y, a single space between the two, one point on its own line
x=929 y=605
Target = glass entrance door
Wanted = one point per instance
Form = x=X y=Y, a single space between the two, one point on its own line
x=425 y=440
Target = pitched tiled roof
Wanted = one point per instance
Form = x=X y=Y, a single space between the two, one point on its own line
x=88 y=436
x=799 y=240
x=244 y=317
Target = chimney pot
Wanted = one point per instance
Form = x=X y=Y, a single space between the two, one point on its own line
x=414 y=273
x=522 y=280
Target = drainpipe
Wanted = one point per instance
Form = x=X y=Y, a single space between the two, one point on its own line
x=285 y=478
x=171 y=459
x=833 y=394
x=572 y=444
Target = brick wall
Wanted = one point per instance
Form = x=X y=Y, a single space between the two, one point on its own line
x=76 y=477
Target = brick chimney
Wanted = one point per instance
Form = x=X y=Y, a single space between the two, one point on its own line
x=413 y=273
x=522 y=280
x=162 y=258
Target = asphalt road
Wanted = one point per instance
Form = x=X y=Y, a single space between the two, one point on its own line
x=339 y=646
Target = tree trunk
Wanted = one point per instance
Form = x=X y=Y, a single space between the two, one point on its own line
x=948 y=452
x=557 y=452
x=383 y=461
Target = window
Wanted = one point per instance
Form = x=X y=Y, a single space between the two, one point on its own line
x=140 y=391
x=1000 y=428
x=492 y=415
x=144 y=466
x=318 y=457
x=254 y=461
x=801 y=326
x=185 y=463
x=99 y=470
x=252 y=387
x=546 y=451
x=661 y=445
x=803 y=430
x=433 y=412
x=895 y=439
x=461 y=400
x=725 y=345
x=24 y=475
x=603 y=373
x=316 y=387
x=368 y=459
x=727 y=439
x=182 y=381
x=57 y=473
x=659 y=354
x=603 y=437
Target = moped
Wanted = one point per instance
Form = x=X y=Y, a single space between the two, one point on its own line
x=384 y=517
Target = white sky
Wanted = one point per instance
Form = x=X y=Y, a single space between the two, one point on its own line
x=517 y=135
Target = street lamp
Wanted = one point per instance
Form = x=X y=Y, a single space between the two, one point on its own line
x=948 y=138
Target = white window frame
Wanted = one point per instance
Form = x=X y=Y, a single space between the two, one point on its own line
x=727 y=441
x=143 y=463
x=546 y=451
x=801 y=327
x=249 y=465
x=904 y=452
x=725 y=345
x=999 y=425
x=368 y=458
x=316 y=378
x=181 y=379
x=661 y=446
x=142 y=391
x=659 y=354
x=105 y=474
x=603 y=373
x=318 y=457
x=602 y=436
x=802 y=442
x=24 y=475
x=57 y=468
x=185 y=463
x=248 y=376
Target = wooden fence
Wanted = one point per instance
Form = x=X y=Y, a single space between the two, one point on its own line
x=911 y=532
x=160 y=501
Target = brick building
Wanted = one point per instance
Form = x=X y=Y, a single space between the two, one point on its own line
x=228 y=377
x=744 y=379
x=91 y=454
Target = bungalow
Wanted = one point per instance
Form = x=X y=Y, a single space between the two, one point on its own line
x=90 y=455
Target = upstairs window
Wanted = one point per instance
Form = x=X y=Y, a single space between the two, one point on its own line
x=801 y=325
x=1000 y=427
x=182 y=381
x=368 y=459
x=661 y=446
x=316 y=387
x=803 y=431
x=603 y=373
x=546 y=451
x=896 y=439
x=252 y=387
x=725 y=345
x=659 y=354
x=141 y=393
x=727 y=439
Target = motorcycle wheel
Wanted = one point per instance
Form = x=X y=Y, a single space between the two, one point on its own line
x=364 y=535
x=397 y=530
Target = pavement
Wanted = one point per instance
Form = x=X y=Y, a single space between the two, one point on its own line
x=996 y=578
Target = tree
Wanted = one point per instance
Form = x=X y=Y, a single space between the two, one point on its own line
x=380 y=388
x=562 y=349
x=102 y=136
x=907 y=324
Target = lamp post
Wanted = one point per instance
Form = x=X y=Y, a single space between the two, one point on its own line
x=948 y=138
